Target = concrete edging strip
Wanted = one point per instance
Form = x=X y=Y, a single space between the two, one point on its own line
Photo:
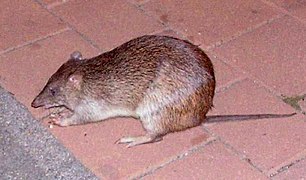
x=28 y=150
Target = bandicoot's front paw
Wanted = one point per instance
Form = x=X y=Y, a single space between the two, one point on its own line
x=61 y=116
x=62 y=121
x=60 y=112
x=59 y=122
x=55 y=121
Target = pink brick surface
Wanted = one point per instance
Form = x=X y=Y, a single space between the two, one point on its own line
x=106 y=159
x=296 y=8
x=266 y=142
x=107 y=23
x=248 y=97
x=300 y=12
x=275 y=54
x=289 y=5
x=214 y=161
x=225 y=75
x=23 y=21
x=207 y=22
x=258 y=52
x=302 y=104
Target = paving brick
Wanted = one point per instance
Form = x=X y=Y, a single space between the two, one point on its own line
x=25 y=71
x=214 y=161
x=274 y=54
x=302 y=104
x=266 y=142
x=295 y=7
x=288 y=4
x=225 y=75
x=250 y=98
x=207 y=21
x=94 y=144
x=23 y=21
x=108 y=23
x=289 y=163
x=296 y=171
x=300 y=12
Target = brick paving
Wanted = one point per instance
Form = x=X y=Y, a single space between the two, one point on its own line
x=258 y=49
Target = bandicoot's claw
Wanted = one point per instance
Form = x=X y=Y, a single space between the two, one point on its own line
x=117 y=141
x=132 y=144
x=55 y=121
x=134 y=141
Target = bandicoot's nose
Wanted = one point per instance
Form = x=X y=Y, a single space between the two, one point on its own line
x=35 y=103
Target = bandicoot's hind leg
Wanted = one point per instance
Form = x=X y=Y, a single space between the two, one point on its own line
x=154 y=132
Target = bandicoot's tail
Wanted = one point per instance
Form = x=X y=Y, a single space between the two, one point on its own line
x=225 y=118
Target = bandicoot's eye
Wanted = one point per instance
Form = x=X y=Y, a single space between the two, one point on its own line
x=52 y=91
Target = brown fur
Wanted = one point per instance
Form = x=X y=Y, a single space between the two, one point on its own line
x=166 y=82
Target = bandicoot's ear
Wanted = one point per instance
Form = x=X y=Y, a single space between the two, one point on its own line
x=75 y=80
x=76 y=55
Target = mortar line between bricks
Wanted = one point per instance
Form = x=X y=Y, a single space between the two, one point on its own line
x=230 y=84
x=83 y=36
x=173 y=159
x=300 y=156
x=271 y=4
x=39 y=2
x=243 y=32
x=239 y=154
x=34 y=41
x=285 y=168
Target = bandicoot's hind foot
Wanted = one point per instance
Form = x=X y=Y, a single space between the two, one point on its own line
x=134 y=141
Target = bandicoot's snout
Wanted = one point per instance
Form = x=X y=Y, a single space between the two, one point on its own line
x=36 y=103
